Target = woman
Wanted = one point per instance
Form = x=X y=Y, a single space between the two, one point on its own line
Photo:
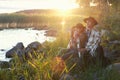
x=72 y=55
x=78 y=40
x=78 y=36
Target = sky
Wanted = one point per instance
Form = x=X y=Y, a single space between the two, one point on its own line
x=8 y=6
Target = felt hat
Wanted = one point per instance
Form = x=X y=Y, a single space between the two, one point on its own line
x=91 y=19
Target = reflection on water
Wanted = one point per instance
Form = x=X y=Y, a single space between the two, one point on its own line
x=10 y=37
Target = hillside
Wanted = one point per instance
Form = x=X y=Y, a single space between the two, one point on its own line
x=76 y=11
x=37 y=11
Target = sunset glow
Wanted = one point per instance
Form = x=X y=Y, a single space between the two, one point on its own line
x=64 y=5
x=63 y=22
x=15 y=5
x=93 y=4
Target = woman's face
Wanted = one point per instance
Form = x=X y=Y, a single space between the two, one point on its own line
x=81 y=29
x=76 y=33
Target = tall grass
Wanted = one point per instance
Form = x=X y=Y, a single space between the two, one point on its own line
x=41 y=68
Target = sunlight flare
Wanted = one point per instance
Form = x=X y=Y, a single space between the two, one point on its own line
x=93 y=4
x=64 y=4
x=38 y=4
x=63 y=24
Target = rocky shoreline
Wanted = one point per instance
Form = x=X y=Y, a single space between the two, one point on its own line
x=23 y=53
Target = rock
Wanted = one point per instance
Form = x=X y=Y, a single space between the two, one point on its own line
x=107 y=52
x=32 y=50
x=17 y=50
x=1 y=29
x=115 y=66
x=2 y=49
x=114 y=42
x=4 y=64
x=112 y=51
x=112 y=55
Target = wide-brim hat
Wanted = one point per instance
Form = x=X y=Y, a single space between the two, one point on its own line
x=91 y=19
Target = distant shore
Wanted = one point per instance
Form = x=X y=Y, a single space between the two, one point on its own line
x=49 y=31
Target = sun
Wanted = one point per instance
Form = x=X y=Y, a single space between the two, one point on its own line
x=64 y=4
x=56 y=4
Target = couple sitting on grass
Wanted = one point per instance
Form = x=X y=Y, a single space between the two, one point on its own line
x=85 y=45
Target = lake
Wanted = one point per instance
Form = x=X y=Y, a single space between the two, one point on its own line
x=10 y=37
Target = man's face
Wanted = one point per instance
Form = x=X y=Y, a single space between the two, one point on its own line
x=89 y=24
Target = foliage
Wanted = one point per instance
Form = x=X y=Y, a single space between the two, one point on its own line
x=101 y=3
x=111 y=23
x=84 y=3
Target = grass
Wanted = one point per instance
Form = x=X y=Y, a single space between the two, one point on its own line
x=43 y=68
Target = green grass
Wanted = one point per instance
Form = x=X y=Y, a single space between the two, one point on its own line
x=41 y=68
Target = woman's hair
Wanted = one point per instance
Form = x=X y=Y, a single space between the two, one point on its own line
x=79 y=26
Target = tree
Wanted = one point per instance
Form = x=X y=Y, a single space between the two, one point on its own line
x=84 y=3
x=115 y=4
x=106 y=3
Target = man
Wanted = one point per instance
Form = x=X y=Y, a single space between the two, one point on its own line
x=93 y=46
x=94 y=36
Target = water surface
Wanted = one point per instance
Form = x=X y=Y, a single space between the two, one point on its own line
x=10 y=37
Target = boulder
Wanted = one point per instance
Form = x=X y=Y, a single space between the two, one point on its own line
x=2 y=49
x=33 y=49
x=17 y=50
x=4 y=64
x=112 y=54
x=115 y=66
x=112 y=50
